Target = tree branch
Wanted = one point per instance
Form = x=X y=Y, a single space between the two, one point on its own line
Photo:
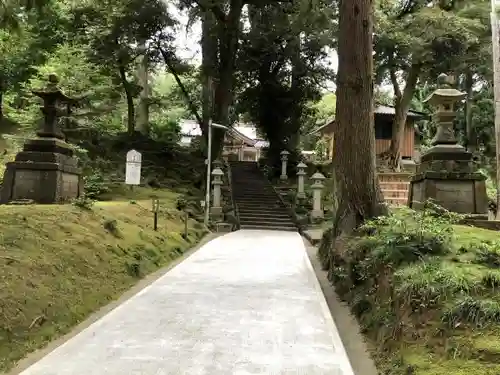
x=216 y=10
x=394 y=79
x=191 y=105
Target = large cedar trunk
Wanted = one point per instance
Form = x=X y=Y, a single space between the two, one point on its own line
x=228 y=38
x=359 y=195
x=298 y=73
x=209 y=66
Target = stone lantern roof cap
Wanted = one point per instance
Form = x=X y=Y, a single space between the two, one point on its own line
x=284 y=152
x=52 y=89
x=301 y=165
x=318 y=176
x=217 y=172
x=445 y=94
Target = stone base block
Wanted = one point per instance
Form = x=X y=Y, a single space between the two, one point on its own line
x=44 y=177
x=216 y=214
x=224 y=227
x=464 y=194
x=317 y=214
x=283 y=177
x=301 y=196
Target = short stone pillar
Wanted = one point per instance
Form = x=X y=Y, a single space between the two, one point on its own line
x=45 y=171
x=301 y=173
x=447 y=173
x=284 y=159
x=317 y=187
x=216 y=209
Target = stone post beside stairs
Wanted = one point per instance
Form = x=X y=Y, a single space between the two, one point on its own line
x=300 y=180
x=317 y=186
x=284 y=159
x=216 y=209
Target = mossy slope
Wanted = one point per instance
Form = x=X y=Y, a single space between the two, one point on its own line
x=425 y=292
x=60 y=263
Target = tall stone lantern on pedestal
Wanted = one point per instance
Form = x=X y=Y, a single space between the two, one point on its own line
x=446 y=173
x=46 y=170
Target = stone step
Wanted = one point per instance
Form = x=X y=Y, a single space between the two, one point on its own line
x=263 y=199
x=269 y=224
x=395 y=193
x=273 y=227
x=264 y=219
x=258 y=205
x=245 y=193
x=397 y=201
x=279 y=212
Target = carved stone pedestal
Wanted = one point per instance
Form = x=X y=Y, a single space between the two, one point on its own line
x=45 y=172
x=447 y=176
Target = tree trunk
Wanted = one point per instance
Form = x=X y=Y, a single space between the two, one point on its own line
x=402 y=106
x=358 y=189
x=2 y=88
x=209 y=64
x=298 y=73
x=469 y=134
x=228 y=47
x=1 y=106
x=143 y=110
x=130 y=100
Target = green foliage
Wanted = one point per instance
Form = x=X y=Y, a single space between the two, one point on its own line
x=95 y=185
x=84 y=202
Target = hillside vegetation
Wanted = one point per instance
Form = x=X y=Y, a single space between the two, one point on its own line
x=425 y=291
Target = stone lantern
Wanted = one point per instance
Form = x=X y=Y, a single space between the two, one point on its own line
x=46 y=170
x=446 y=173
x=284 y=159
x=317 y=187
x=216 y=209
x=300 y=180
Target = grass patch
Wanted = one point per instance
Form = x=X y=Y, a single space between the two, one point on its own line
x=425 y=291
x=59 y=263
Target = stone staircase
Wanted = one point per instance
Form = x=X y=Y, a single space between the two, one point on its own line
x=258 y=206
x=395 y=187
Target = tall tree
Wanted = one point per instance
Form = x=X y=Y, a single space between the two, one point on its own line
x=359 y=196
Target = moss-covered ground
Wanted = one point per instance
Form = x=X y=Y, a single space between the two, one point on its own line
x=60 y=263
x=425 y=292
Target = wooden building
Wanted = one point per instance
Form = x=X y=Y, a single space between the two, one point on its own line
x=241 y=141
x=384 y=117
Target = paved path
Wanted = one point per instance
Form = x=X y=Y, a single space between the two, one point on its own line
x=245 y=303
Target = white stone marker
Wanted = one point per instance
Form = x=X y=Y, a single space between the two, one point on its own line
x=317 y=186
x=284 y=158
x=216 y=208
x=300 y=180
x=133 y=168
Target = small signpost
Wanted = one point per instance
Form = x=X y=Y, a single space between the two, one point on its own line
x=133 y=168
x=156 y=208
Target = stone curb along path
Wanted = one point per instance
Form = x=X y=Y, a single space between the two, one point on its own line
x=247 y=302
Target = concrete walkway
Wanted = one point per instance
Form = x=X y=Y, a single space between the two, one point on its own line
x=245 y=303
